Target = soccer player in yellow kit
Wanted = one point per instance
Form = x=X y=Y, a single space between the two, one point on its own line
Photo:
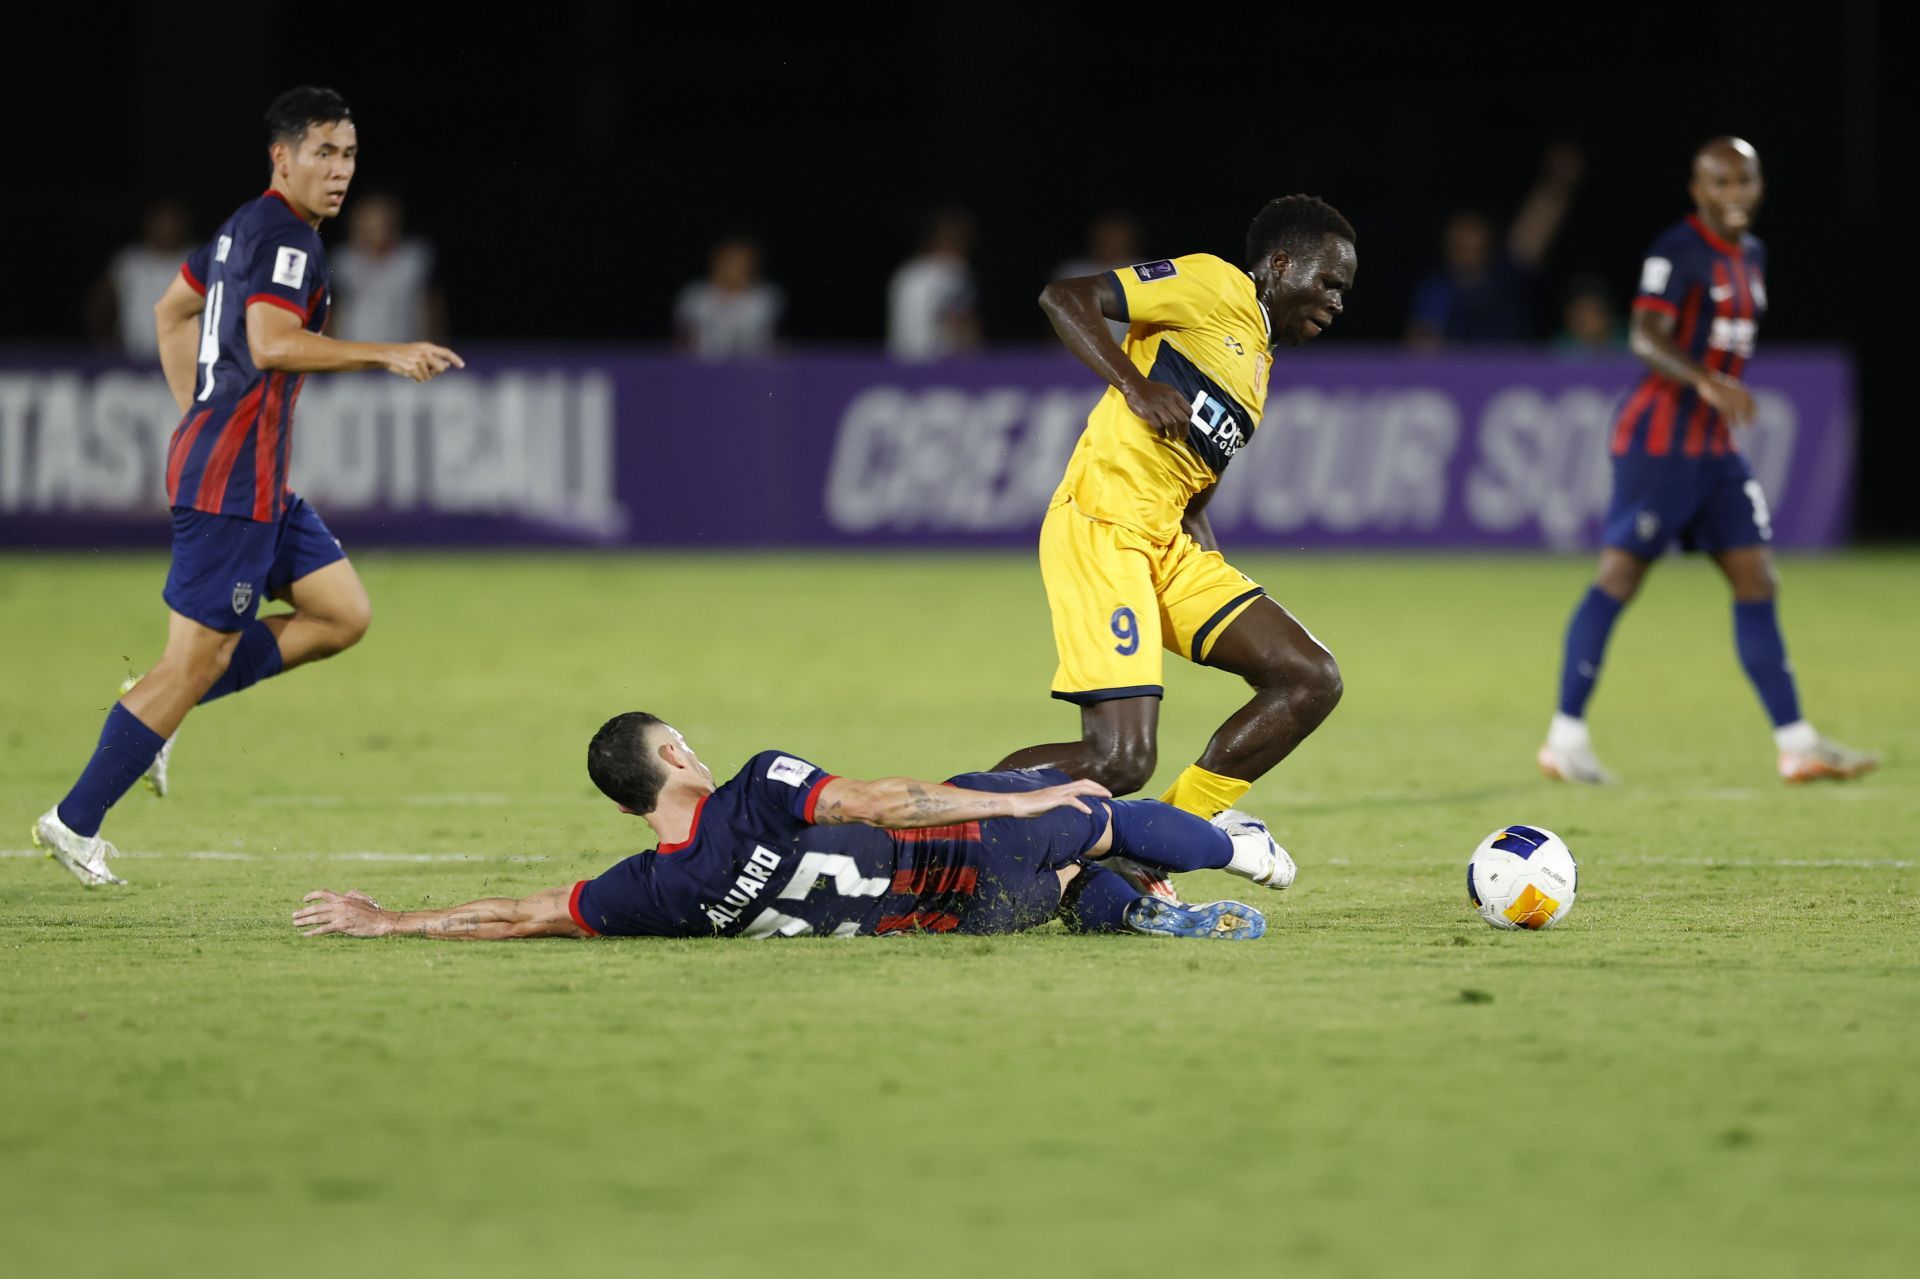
x=1128 y=557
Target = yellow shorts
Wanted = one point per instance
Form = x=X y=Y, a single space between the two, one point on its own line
x=1118 y=597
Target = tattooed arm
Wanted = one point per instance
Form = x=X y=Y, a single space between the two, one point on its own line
x=901 y=803
x=354 y=913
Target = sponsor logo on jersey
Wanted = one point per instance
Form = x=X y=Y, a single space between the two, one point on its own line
x=1655 y=274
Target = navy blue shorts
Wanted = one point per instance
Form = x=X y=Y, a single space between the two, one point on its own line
x=1707 y=503
x=224 y=565
x=1019 y=859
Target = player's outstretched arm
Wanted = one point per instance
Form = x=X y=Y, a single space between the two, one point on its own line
x=1079 y=308
x=903 y=803
x=1651 y=337
x=176 y=323
x=278 y=340
x=354 y=914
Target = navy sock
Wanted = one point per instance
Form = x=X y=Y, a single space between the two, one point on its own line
x=1166 y=837
x=126 y=749
x=1586 y=644
x=1096 y=901
x=255 y=657
x=1763 y=652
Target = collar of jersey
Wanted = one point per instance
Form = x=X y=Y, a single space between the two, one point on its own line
x=1706 y=233
x=693 y=828
x=284 y=202
x=1265 y=319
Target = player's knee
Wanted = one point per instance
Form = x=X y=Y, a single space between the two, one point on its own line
x=1316 y=687
x=1124 y=767
x=1619 y=580
x=350 y=627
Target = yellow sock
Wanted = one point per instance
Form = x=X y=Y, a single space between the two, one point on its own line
x=1204 y=794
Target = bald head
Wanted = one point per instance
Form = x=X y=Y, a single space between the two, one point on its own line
x=1726 y=186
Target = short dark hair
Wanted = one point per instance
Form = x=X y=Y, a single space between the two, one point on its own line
x=622 y=766
x=294 y=110
x=1293 y=223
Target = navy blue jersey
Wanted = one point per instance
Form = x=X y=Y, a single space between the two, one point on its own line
x=1717 y=294
x=229 y=453
x=755 y=866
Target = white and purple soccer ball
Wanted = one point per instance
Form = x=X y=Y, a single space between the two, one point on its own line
x=1522 y=877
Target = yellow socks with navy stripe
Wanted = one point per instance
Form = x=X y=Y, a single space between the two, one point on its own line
x=1204 y=794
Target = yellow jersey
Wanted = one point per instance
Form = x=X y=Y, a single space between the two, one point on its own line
x=1196 y=324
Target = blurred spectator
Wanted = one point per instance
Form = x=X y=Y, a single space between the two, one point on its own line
x=1588 y=323
x=383 y=284
x=120 y=312
x=1113 y=241
x=930 y=300
x=1479 y=294
x=733 y=312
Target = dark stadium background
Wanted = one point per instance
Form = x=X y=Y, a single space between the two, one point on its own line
x=573 y=167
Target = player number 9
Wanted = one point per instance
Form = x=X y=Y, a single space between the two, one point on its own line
x=1126 y=629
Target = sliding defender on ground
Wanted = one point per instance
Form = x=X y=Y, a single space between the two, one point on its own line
x=1679 y=475
x=1126 y=551
x=785 y=849
x=239 y=329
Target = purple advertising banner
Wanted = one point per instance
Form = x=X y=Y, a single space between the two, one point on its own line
x=546 y=446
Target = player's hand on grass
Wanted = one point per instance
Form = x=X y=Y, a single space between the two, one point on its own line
x=1035 y=802
x=421 y=361
x=353 y=913
x=1162 y=408
x=1729 y=396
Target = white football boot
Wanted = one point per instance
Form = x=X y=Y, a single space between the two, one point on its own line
x=156 y=774
x=1255 y=854
x=85 y=857
x=1567 y=755
x=1823 y=759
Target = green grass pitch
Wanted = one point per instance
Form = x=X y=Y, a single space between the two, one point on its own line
x=1712 y=1068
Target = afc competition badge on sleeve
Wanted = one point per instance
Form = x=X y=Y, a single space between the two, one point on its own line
x=290 y=267
x=1151 y=271
x=789 y=770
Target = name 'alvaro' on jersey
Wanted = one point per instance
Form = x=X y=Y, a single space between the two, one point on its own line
x=229 y=453
x=1196 y=324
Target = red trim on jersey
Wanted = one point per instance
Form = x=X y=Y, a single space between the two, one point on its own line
x=1660 y=430
x=275 y=299
x=693 y=828
x=920 y=921
x=969 y=831
x=193 y=281
x=1655 y=304
x=947 y=879
x=1689 y=317
x=283 y=199
x=813 y=797
x=1706 y=233
x=177 y=458
x=266 y=449
x=226 y=450
x=573 y=908
x=1630 y=415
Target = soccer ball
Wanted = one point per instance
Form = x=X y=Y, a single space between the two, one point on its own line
x=1522 y=877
